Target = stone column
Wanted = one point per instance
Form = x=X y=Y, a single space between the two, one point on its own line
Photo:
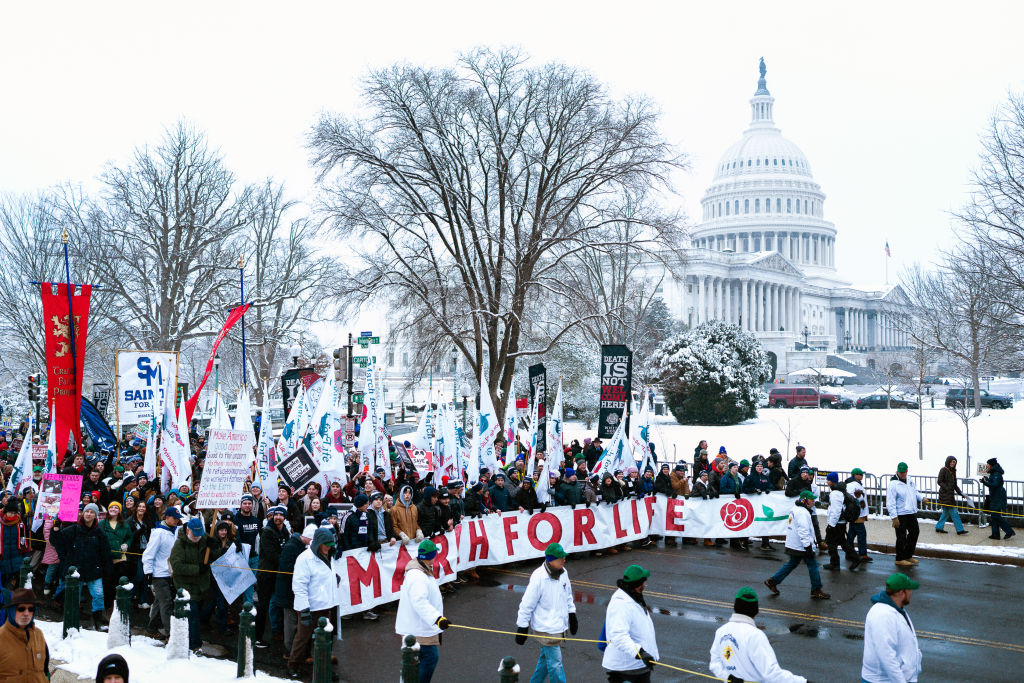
x=727 y=300
x=698 y=306
x=757 y=316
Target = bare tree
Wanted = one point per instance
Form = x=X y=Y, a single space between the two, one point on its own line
x=469 y=191
x=159 y=236
x=915 y=366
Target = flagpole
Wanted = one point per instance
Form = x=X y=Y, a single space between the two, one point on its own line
x=241 y=302
x=71 y=318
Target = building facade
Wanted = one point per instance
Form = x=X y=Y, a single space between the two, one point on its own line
x=763 y=257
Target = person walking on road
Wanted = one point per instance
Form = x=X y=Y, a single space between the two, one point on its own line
x=835 y=532
x=631 y=647
x=997 y=500
x=801 y=547
x=421 y=610
x=948 y=490
x=548 y=607
x=314 y=585
x=741 y=651
x=891 y=652
x=901 y=499
x=858 y=530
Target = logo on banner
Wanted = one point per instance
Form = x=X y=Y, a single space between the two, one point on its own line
x=61 y=328
x=737 y=514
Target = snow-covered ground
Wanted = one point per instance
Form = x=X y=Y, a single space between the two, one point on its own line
x=147 y=660
x=874 y=440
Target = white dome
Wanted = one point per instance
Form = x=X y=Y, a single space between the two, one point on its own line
x=762 y=150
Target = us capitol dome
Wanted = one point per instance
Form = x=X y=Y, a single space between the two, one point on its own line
x=763 y=257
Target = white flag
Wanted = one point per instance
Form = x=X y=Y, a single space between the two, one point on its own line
x=291 y=436
x=22 y=473
x=174 y=449
x=554 y=428
x=221 y=419
x=640 y=437
x=243 y=411
x=266 y=459
x=372 y=443
x=423 y=437
x=531 y=458
x=149 y=461
x=617 y=450
x=50 y=464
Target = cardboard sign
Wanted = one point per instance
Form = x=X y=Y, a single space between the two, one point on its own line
x=59 y=496
x=298 y=468
x=38 y=452
x=422 y=460
x=228 y=457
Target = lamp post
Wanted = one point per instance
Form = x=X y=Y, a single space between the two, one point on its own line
x=806 y=333
x=466 y=391
x=455 y=375
x=295 y=352
x=846 y=339
x=216 y=373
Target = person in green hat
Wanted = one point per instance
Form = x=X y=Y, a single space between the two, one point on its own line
x=421 y=609
x=858 y=530
x=741 y=651
x=801 y=546
x=631 y=647
x=891 y=652
x=547 y=606
x=901 y=499
x=313 y=584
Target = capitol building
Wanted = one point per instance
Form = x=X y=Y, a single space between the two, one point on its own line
x=763 y=258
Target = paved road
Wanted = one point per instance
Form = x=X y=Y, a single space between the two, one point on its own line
x=964 y=612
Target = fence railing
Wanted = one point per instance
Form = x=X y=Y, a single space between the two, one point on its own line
x=876 y=485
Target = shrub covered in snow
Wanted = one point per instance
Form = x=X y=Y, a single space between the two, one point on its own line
x=712 y=374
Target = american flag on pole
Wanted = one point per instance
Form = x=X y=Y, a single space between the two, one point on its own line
x=887 y=252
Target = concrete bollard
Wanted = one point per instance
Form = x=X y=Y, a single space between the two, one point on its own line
x=72 y=600
x=410 y=660
x=246 y=630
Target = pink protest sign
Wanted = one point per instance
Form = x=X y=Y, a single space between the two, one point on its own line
x=59 y=496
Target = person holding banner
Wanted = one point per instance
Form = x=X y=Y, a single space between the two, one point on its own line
x=547 y=606
x=631 y=647
x=421 y=609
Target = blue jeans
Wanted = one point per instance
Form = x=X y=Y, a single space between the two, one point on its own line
x=254 y=560
x=549 y=665
x=195 y=640
x=428 y=662
x=95 y=588
x=793 y=562
x=951 y=513
x=858 y=532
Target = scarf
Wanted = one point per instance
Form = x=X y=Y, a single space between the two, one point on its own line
x=629 y=590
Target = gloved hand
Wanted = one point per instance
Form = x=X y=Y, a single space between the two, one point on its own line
x=521 y=635
x=574 y=623
x=588 y=504
x=645 y=657
x=543 y=507
x=738 y=496
x=443 y=623
x=733 y=679
x=238 y=545
x=149 y=579
x=895 y=522
x=306 y=618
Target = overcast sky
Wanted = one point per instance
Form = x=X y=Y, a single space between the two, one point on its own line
x=887 y=100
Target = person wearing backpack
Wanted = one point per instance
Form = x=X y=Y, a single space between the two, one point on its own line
x=842 y=509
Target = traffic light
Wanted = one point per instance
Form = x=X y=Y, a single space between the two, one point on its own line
x=340 y=363
x=33 y=388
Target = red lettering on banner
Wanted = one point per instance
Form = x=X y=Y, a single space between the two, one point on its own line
x=583 y=525
x=510 y=534
x=650 y=502
x=357 y=577
x=441 y=561
x=619 y=531
x=531 y=530
x=477 y=539
x=674 y=511
x=636 y=516
x=400 y=563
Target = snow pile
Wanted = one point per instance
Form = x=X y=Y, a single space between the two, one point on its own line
x=177 y=643
x=1000 y=550
x=147 y=661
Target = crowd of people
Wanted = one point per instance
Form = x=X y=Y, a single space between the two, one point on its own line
x=160 y=541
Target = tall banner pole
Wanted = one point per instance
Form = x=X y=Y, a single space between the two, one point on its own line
x=241 y=302
x=117 y=406
x=71 y=319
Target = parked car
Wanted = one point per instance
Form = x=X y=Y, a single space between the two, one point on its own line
x=955 y=397
x=882 y=401
x=843 y=403
x=801 y=397
x=762 y=400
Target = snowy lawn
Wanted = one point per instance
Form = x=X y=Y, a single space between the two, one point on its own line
x=874 y=440
x=147 y=660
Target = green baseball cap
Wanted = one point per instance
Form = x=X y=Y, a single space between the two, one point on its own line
x=902 y=467
x=807 y=495
x=746 y=594
x=554 y=551
x=744 y=463
x=856 y=471
x=635 y=572
x=900 y=582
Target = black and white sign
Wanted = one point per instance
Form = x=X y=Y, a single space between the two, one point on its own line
x=298 y=468
x=538 y=393
x=616 y=380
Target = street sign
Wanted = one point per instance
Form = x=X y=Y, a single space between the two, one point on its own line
x=366 y=341
x=361 y=361
x=366 y=334
x=357 y=398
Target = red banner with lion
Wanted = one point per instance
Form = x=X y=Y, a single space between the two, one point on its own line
x=64 y=367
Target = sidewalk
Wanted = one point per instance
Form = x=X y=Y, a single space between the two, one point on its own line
x=974 y=546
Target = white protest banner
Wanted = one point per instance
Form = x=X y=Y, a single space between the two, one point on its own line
x=140 y=378
x=370 y=579
x=232 y=573
x=765 y=514
x=228 y=456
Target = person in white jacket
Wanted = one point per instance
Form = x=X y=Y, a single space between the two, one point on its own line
x=157 y=570
x=901 y=499
x=801 y=547
x=741 y=651
x=420 y=609
x=891 y=654
x=631 y=648
x=835 y=532
x=548 y=607
x=316 y=589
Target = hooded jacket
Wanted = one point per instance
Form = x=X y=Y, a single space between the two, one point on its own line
x=85 y=548
x=24 y=655
x=405 y=517
x=429 y=513
x=891 y=654
x=547 y=602
x=314 y=582
x=750 y=656
x=996 y=489
x=190 y=566
x=948 y=487
x=419 y=603
x=680 y=483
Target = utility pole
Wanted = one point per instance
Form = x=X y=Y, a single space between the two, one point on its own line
x=348 y=358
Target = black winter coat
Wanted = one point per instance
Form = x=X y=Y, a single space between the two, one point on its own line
x=756 y=483
x=86 y=549
x=663 y=484
x=293 y=547
x=428 y=516
x=373 y=532
x=797 y=485
x=271 y=542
